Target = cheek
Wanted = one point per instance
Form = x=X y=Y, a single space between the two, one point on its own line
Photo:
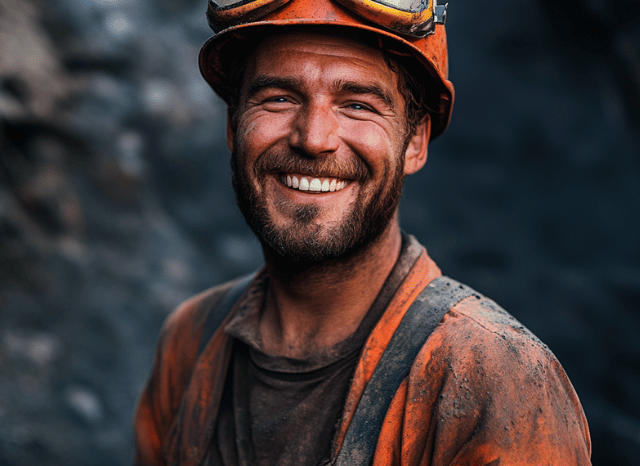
x=256 y=134
x=371 y=139
x=376 y=147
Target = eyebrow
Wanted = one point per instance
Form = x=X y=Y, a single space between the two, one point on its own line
x=270 y=82
x=353 y=87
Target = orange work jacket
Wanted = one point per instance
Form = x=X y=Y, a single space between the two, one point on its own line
x=483 y=390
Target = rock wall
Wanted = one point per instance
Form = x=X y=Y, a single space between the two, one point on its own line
x=115 y=202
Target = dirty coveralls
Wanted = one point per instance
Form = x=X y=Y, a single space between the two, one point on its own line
x=483 y=390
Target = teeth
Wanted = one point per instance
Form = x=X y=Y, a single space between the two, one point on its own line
x=316 y=185
x=312 y=184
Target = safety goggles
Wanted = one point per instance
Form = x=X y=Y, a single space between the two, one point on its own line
x=415 y=18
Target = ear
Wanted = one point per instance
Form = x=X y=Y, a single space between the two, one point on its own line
x=416 y=154
x=231 y=133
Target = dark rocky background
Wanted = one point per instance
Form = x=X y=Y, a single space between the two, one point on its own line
x=115 y=202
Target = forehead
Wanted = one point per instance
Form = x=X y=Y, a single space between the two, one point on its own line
x=319 y=54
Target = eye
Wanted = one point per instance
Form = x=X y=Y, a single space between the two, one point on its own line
x=277 y=103
x=359 y=110
x=277 y=100
x=359 y=106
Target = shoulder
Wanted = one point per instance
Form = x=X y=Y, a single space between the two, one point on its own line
x=491 y=385
x=186 y=321
x=481 y=356
x=474 y=322
x=179 y=340
x=478 y=326
x=205 y=312
x=174 y=359
x=480 y=338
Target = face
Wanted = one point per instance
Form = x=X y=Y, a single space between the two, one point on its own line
x=319 y=149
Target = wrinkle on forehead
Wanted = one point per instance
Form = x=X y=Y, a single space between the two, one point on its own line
x=320 y=52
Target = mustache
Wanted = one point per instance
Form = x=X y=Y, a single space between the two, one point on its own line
x=325 y=166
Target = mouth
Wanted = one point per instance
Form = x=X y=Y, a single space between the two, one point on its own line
x=311 y=184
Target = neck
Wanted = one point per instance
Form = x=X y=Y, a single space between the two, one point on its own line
x=311 y=308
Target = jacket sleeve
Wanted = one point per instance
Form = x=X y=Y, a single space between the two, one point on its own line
x=484 y=391
x=175 y=356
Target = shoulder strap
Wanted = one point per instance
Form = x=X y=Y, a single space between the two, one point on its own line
x=221 y=309
x=421 y=319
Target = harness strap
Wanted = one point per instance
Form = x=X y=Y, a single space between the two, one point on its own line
x=421 y=319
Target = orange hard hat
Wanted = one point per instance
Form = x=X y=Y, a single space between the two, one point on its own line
x=419 y=34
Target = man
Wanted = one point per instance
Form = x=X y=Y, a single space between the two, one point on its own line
x=327 y=356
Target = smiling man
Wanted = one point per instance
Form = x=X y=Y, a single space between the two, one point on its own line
x=348 y=347
x=330 y=102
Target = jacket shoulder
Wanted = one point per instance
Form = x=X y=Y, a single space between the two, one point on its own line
x=483 y=323
x=478 y=335
x=179 y=340
x=187 y=320
x=490 y=385
x=175 y=356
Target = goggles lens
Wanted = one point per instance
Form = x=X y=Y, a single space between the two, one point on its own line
x=407 y=17
x=406 y=5
x=415 y=18
x=226 y=13
x=228 y=3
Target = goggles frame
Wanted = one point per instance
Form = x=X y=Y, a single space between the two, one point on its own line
x=221 y=17
x=417 y=23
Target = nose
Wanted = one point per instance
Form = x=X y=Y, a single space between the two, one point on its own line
x=315 y=130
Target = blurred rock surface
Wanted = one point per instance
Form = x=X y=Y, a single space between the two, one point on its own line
x=115 y=203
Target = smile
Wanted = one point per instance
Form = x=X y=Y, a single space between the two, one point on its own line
x=315 y=185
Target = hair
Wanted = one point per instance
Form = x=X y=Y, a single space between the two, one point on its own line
x=418 y=98
x=417 y=86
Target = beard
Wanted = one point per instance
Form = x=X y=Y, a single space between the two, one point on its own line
x=303 y=241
